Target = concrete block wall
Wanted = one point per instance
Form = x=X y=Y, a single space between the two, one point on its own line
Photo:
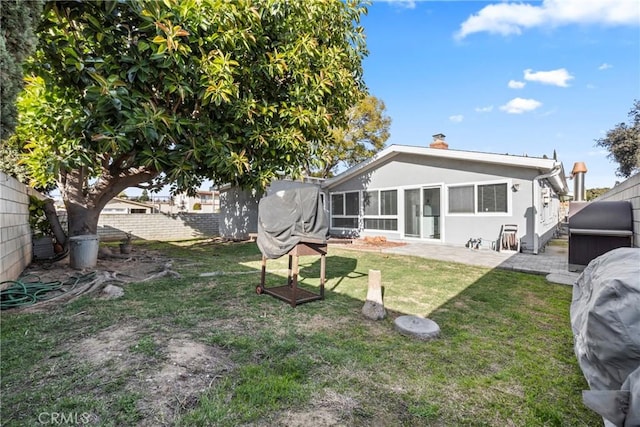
x=15 y=234
x=628 y=190
x=158 y=226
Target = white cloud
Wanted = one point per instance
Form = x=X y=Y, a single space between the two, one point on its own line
x=605 y=66
x=558 y=77
x=520 y=105
x=513 y=18
x=457 y=118
x=487 y=109
x=591 y=86
x=514 y=84
x=408 y=4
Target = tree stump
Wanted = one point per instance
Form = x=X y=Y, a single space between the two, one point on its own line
x=374 y=307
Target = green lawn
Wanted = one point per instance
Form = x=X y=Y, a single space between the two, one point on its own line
x=209 y=351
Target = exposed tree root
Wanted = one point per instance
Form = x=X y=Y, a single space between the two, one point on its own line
x=74 y=289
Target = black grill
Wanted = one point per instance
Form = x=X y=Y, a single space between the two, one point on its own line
x=595 y=228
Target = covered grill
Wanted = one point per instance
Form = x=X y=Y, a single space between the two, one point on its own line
x=596 y=228
x=292 y=222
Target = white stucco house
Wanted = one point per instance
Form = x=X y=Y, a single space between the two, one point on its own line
x=119 y=205
x=439 y=195
x=431 y=194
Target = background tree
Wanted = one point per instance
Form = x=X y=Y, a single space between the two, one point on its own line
x=594 y=193
x=623 y=144
x=145 y=93
x=364 y=134
x=18 y=21
x=144 y=197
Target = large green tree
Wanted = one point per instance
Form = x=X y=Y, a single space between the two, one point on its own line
x=144 y=93
x=18 y=20
x=623 y=144
x=361 y=137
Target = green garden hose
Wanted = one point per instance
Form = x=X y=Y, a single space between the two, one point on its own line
x=28 y=290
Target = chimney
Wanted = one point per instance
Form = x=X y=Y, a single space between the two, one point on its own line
x=438 y=142
x=577 y=174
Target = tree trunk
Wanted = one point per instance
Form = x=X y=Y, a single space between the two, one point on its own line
x=82 y=220
x=52 y=217
x=84 y=203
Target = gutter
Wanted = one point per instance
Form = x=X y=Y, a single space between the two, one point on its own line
x=558 y=182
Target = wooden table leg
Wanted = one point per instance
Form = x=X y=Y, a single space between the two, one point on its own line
x=294 y=290
x=322 y=276
x=263 y=274
x=289 y=277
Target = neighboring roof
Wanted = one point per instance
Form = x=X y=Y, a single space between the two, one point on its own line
x=550 y=167
x=130 y=202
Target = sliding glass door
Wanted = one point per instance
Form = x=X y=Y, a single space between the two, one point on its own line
x=422 y=212
x=431 y=213
x=412 y=213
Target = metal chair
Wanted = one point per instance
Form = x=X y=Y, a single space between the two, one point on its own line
x=509 y=240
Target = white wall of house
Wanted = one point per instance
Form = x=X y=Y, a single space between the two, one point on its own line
x=120 y=206
x=421 y=177
x=207 y=201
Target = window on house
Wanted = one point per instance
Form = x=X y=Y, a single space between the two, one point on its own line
x=345 y=209
x=492 y=198
x=138 y=211
x=337 y=204
x=461 y=199
x=381 y=210
x=470 y=199
x=389 y=202
x=352 y=203
x=370 y=203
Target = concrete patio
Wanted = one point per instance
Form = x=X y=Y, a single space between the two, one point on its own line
x=552 y=262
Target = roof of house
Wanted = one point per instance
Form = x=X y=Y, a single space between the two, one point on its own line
x=549 y=169
x=130 y=202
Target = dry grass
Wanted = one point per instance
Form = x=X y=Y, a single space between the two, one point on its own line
x=208 y=351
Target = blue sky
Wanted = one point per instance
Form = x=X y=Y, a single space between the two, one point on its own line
x=505 y=77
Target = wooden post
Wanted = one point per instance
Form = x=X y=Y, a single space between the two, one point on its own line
x=374 y=306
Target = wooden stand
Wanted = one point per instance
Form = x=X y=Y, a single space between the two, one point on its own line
x=290 y=292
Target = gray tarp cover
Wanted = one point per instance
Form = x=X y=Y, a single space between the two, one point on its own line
x=605 y=318
x=288 y=217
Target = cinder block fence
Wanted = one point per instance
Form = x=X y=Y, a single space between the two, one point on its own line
x=15 y=233
x=628 y=190
x=158 y=226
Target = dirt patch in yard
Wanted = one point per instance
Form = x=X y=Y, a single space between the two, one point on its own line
x=170 y=373
x=370 y=243
x=329 y=408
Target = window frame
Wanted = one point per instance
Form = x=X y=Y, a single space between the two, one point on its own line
x=479 y=201
x=343 y=214
x=379 y=217
x=476 y=188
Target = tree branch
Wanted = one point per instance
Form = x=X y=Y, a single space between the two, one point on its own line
x=109 y=186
